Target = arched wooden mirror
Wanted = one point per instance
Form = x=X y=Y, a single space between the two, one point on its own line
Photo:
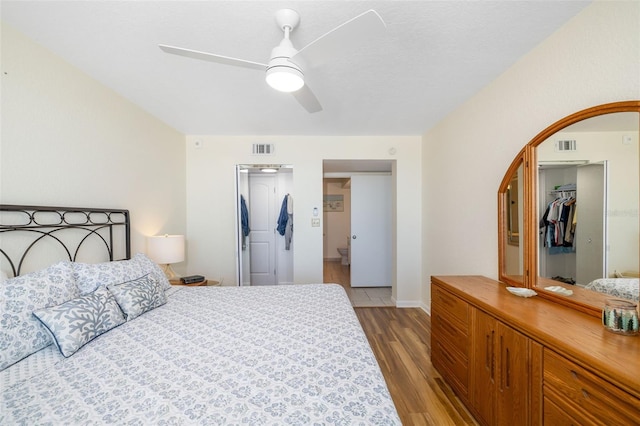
x=580 y=202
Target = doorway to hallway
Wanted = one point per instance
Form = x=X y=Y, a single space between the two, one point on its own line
x=350 y=247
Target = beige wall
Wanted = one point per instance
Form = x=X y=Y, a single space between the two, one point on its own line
x=211 y=200
x=593 y=59
x=67 y=140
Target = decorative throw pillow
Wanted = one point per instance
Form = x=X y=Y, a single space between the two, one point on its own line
x=75 y=323
x=20 y=333
x=138 y=296
x=90 y=276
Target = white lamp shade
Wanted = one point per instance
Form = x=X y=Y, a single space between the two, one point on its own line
x=166 y=249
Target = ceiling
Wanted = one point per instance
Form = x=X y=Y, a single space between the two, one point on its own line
x=433 y=56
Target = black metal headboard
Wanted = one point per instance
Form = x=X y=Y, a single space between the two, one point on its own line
x=35 y=236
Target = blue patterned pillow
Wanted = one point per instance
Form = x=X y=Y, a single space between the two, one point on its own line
x=90 y=276
x=20 y=333
x=138 y=296
x=75 y=323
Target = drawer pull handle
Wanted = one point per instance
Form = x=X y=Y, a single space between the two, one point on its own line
x=574 y=375
x=508 y=372
x=585 y=394
x=487 y=354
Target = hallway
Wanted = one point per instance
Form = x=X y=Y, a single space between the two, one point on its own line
x=335 y=272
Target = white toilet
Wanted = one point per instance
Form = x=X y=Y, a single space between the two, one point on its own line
x=344 y=253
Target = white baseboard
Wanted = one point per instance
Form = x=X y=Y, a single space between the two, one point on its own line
x=407 y=303
x=411 y=304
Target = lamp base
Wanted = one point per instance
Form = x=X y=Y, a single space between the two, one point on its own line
x=169 y=272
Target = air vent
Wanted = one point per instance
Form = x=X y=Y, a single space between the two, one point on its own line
x=263 y=148
x=566 y=145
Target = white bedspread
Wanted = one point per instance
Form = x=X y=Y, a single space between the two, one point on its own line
x=215 y=355
x=626 y=288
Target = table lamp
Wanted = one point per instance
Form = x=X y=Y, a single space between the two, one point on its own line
x=165 y=250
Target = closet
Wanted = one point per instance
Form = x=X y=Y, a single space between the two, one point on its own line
x=264 y=254
x=572 y=226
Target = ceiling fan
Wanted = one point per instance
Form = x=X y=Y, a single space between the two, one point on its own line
x=285 y=70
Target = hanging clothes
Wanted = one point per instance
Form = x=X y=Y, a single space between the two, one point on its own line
x=244 y=221
x=283 y=217
x=288 y=232
x=559 y=223
x=285 y=221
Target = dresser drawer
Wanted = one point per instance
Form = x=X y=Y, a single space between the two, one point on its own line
x=450 y=332
x=450 y=364
x=557 y=414
x=450 y=305
x=575 y=385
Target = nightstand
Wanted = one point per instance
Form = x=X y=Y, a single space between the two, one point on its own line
x=176 y=281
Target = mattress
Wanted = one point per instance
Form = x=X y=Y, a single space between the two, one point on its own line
x=212 y=355
x=626 y=288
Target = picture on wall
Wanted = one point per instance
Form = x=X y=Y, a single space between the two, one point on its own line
x=333 y=203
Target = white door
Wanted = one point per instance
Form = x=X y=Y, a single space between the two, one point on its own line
x=591 y=227
x=371 y=231
x=262 y=218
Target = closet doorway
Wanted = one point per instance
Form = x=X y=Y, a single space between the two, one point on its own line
x=263 y=255
x=586 y=260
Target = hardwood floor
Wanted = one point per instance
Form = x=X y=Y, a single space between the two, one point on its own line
x=401 y=341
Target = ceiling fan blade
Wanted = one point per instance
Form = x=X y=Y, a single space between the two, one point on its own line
x=307 y=99
x=343 y=38
x=195 y=54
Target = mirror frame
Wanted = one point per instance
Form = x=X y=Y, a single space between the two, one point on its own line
x=503 y=222
x=587 y=301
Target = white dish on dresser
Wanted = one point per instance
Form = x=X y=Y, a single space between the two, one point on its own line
x=559 y=290
x=522 y=292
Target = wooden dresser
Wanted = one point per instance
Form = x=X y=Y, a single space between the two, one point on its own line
x=527 y=361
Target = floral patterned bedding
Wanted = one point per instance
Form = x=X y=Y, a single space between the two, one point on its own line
x=626 y=288
x=213 y=355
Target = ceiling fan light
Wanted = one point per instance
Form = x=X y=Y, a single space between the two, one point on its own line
x=284 y=78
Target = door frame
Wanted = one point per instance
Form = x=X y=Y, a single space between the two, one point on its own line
x=344 y=168
x=287 y=184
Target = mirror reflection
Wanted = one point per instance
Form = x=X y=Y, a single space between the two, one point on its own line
x=588 y=202
x=514 y=206
x=513 y=255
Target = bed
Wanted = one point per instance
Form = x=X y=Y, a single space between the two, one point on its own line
x=183 y=355
x=625 y=288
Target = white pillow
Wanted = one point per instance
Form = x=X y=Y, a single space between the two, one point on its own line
x=21 y=334
x=90 y=276
x=138 y=296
